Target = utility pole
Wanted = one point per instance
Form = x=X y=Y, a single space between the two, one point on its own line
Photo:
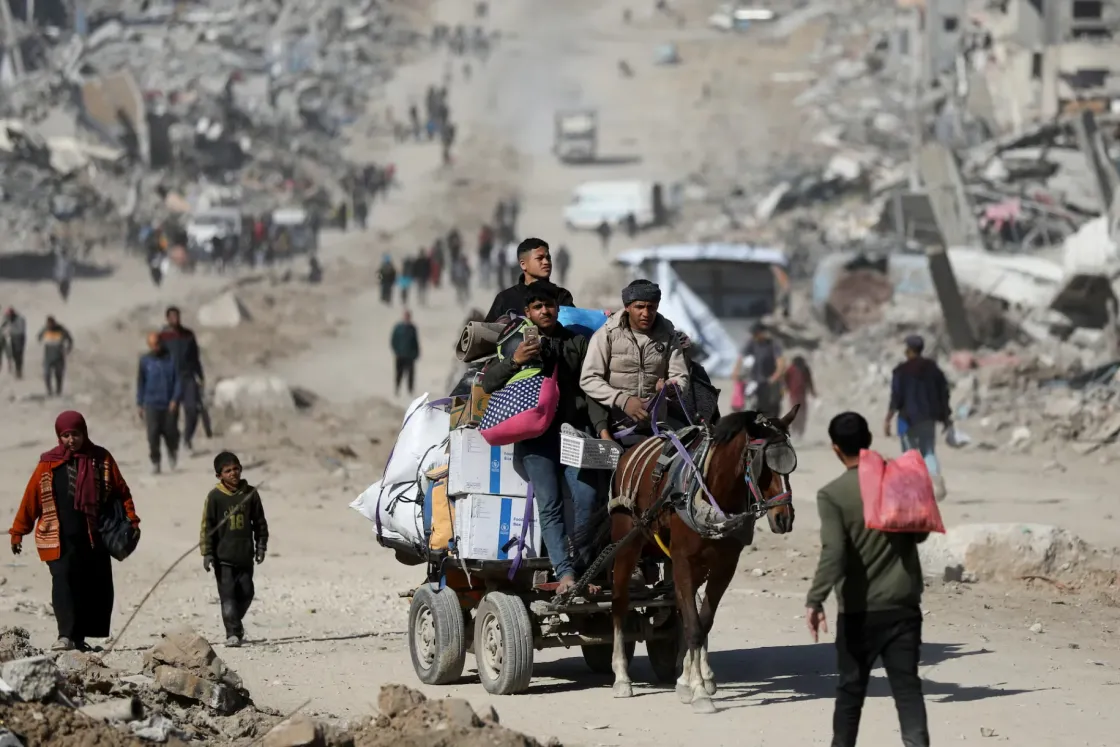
x=918 y=67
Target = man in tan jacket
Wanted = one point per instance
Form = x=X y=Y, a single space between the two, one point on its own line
x=633 y=355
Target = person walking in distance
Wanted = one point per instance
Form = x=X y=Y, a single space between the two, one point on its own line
x=799 y=386
x=158 y=393
x=920 y=399
x=877 y=577
x=485 y=250
x=563 y=262
x=767 y=369
x=182 y=344
x=13 y=330
x=57 y=344
x=405 y=343
x=604 y=231
x=461 y=279
x=422 y=275
x=387 y=278
x=234 y=534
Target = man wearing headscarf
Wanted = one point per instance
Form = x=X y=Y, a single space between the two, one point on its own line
x=69 y=490
x=632 y=357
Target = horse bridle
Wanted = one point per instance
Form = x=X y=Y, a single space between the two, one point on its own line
x=754 y=459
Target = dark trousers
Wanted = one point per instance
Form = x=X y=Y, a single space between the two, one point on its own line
x=405 y=367
x=54 y=371
x=235 y=590
x=896 y=638
x=82 y=590
x=190 y=404
x=162 y=423
x=14 y=349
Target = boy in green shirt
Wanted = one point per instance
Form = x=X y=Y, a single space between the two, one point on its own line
x=234 y=534
x=878 y=581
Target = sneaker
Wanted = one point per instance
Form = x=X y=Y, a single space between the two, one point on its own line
x=155 y=468
x=233 y=641
x=63 y=644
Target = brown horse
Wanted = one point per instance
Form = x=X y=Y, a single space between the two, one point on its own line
x=747 y=458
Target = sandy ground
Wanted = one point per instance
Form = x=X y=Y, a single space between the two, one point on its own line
x=327 y=624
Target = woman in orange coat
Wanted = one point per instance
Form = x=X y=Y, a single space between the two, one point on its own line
x=62 y=503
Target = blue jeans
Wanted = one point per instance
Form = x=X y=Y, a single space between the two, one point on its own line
x=552 y=482
x=923 y=437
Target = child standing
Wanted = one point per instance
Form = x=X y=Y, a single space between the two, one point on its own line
x=234 y=534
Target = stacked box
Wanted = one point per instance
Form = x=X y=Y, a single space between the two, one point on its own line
x=489 y=499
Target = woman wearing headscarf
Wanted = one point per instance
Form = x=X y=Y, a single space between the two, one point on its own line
x=70 y=487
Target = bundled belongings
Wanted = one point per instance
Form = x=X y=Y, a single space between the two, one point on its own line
x=479 y=340
x=898 y=494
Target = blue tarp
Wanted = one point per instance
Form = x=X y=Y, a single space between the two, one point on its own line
x=582 y=321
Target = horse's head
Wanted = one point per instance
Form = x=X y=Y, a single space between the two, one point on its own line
x=765 y=459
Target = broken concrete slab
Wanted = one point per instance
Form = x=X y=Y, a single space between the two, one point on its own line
x=225 y=311
x=217 y=696
x=1001 y=552
x=246 y=396
x=34 y=679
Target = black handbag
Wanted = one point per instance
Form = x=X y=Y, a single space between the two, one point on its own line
x=117 y=533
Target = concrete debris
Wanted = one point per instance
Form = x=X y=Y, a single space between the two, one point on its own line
x=35 y=679
x=1002 y=552
x=298 y=731
x=125 y=103
x=253 y=396
x=225 y=311
x=15 y=643
x=185 y=665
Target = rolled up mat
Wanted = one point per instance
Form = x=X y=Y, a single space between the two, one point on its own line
x=478 y=340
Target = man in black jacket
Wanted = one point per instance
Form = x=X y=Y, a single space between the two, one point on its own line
x=536 y=265
x=183 y=346
x=553 y=349
x=920 y=398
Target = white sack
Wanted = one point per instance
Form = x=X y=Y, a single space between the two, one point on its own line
x=424 y=428
x=400 y=506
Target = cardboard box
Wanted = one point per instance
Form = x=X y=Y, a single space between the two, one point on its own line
x=469 y=410
x=484 y=524
x=479 y=402
x=478 y=467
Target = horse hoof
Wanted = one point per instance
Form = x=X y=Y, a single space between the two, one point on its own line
x=703 y=706
x=710 y=687
x=623 y=690
x=684 y=692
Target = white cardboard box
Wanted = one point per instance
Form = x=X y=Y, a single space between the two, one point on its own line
x=484 y=524
x=477 y=467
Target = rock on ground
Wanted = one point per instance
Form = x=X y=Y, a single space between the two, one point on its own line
x=185 y=665
x=254 y=396
x=59 y=726
x=225 y=311
x=33 y=679
x=1001 y=552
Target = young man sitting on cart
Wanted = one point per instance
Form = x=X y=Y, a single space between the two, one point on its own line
x=558 y=348
x=631 y=358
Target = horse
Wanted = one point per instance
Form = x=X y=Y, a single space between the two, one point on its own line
x=703 y=516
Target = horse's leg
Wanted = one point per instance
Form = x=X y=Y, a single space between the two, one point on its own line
x=719 y=578
x=690 y=686
x=624 y=563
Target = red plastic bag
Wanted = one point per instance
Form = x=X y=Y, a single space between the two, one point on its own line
x=898 y=494
x=739 y=396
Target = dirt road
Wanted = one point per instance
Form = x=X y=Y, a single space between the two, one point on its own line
x=327 y=624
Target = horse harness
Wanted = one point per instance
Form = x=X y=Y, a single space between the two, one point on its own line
x=680 y=463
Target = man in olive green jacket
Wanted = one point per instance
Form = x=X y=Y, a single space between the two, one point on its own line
x=878 y=581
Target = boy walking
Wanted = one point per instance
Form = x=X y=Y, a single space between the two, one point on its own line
x=234 y=534
x=878 y=581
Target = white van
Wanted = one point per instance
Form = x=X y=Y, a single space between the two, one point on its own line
x=615 y=201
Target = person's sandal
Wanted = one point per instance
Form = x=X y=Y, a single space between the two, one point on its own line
x=62 y=644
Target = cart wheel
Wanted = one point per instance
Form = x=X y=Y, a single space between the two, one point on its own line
x=598 y=658
x=503 y=644
x=662 y=653
x=436 y=636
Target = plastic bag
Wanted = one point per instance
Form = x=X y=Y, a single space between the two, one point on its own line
x=739 y=396
x=581 y=321
x=898 y=495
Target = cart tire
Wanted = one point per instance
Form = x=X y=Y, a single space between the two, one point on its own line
x=663 y=653
x=503 y=644
x=437 y=638
x=598 y=658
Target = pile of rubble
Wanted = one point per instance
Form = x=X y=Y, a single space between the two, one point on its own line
x=186 y=693
x=134 y=104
